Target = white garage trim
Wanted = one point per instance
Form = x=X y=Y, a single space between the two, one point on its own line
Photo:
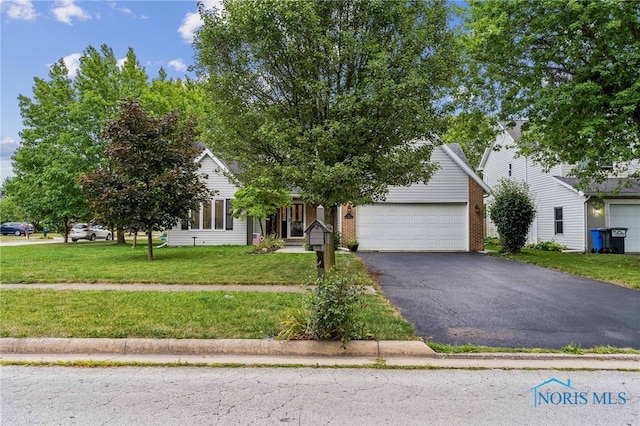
x=627 y=215
x=413 y=227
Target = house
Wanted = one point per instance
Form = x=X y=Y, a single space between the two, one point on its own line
x=564 y=212
x=443 y=215
x=213 y=224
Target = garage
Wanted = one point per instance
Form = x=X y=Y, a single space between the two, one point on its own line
x=413 y=227
x=627 y=216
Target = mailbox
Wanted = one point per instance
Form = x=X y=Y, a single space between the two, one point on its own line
x=317 y=235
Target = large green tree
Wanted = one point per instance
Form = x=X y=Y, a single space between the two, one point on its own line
x=63 y=121
x=51 y=153
x=151 y=180
x=570 y=68
x=327 y=97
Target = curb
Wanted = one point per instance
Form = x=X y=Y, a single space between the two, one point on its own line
x=259 y=347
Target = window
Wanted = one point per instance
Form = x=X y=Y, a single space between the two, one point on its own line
x=219 y=212
x=215 y=214
x=195 y=219
x=229 y=217
x=207 y=214
x=557 y=220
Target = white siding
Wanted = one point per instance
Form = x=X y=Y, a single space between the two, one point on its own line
x=448 y=184
x=547 y=194
x=225 y=190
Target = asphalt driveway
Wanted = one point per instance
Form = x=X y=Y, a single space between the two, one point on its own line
x=472 y=298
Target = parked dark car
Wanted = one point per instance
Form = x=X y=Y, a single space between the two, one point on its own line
x=85 y=231
x=15 y=228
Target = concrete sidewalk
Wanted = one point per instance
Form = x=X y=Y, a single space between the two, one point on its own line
x=293 y=353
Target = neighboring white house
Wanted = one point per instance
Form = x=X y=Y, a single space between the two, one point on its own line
x=564 y=213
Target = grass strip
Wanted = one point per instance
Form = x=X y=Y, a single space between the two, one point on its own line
x=180 y=315
x=620 y=269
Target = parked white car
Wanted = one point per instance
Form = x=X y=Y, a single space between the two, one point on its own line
x=85 y=231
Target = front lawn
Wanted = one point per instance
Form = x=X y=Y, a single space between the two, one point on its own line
x=621 y=269
x=108 y=262
x=182 y=315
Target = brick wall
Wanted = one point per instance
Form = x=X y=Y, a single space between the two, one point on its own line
x=348 y=225
x=476 y=220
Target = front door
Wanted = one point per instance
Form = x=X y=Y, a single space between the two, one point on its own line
x=295 y=220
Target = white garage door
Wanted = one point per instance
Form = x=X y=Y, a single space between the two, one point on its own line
x=412 y=227
x=627 y=216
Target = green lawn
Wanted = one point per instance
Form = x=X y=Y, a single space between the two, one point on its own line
x=614 y=268
x=108 y=262
x=149 y=314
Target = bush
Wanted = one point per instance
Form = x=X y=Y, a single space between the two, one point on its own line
x=337 y=240
x=512 y=210
x=268 y=245
x=330 y=313
x=546 y=246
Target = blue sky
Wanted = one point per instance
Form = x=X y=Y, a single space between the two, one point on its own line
x=35 y=34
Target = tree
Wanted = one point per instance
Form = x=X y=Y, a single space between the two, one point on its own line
x=151 y=181
x=63 y=121
x=10 y=211
x=51 y=153
x=570 y=68
x=259 y=200
x=512 y=210
x=61 y=136
x=328 y=97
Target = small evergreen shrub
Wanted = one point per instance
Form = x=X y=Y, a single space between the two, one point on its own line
x=512 y=211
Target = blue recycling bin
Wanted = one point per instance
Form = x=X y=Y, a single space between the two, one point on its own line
x=597 y=236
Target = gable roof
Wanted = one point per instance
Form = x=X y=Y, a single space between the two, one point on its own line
x=454 y=151
x=513 y=132
x=619 y=186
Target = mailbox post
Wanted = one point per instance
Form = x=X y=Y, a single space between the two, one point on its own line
x=317 y=236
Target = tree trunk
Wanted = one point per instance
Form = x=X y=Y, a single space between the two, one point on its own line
x=66 y=230
x=150 y=242
x=121 y=239
x=329 y=247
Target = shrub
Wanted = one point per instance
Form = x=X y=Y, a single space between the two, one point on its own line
x=337 y=239
x=512 y=211
x=334 y=309
x=330 y=313
x=491 y=241
x=268 y=245
x=546 y=246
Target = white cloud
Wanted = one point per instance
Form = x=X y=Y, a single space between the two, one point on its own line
x=72 y=62
x=120 y=62
x=113 y=5
x=192 y=20
x=8 y=145
x=67 y=10
x=178 y=65
x=20 y=9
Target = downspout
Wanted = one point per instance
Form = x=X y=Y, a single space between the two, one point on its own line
x=586 y=224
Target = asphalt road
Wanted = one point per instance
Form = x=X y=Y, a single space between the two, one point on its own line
x=315 y=396
x=471 y=298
